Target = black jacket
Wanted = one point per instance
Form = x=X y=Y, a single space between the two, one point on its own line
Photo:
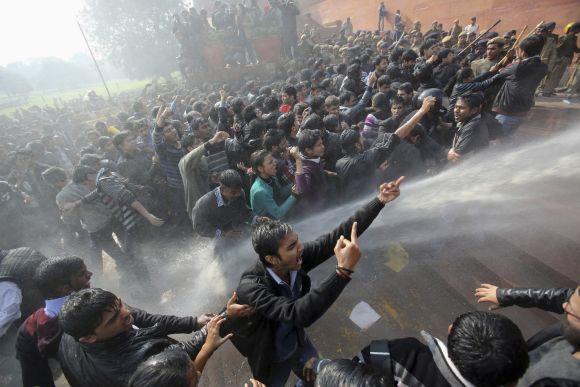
x=516 y=95
x=254 y=336
x=356 y=171
x=210 y=219
x=111 y=363
x=471 y=136
x=550 y=299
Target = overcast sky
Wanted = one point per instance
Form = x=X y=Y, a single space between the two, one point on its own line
x=36 y=28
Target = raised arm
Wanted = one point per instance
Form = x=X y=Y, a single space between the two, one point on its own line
x=548 y=299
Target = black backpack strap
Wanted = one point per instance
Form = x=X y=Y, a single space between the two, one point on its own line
x=380 y=352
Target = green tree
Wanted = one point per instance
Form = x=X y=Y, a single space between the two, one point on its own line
x=133 y=34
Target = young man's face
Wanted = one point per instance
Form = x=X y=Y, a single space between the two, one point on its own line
x=449 y=58
x=384 y=88
x=317 y=150
x=170 y=134
x=81 y=279
x=332 y=109
x=229 y=194
x=492 y=51
x=113 y=322
x=268 y=168
x=462 y=111
x=129 y=145
x=397 y=110
x=572 y=321
x=289 y=255
x=382 y=67
x=287 y=99
x=406 y=96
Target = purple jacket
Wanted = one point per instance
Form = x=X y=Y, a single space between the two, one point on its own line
x=312 y=186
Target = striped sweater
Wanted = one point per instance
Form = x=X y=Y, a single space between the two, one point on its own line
x=169 y=157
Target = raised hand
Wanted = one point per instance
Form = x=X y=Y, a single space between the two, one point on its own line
x=428 y=103
x=219 y=137
x=348 y=251
x=390 y=191
x=488 y=293
x=213 y=340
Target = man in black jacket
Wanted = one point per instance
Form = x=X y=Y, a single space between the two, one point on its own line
x=472 y=133
x=279 y=289
x=482 y=349
x=104 y=341
x=522 y=77
x=555 y=350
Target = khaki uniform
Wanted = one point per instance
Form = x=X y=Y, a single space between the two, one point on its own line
x=481 y=66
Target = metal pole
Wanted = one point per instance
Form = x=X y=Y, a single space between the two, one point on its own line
x=94 y=60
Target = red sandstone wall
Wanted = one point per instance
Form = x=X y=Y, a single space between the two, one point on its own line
x=514 y=13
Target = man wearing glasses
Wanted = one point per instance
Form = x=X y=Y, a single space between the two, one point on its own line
x=554 y=351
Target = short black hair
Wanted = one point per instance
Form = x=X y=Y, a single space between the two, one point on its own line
x=249 y=113
x=55 y=272
x=271 y=104
x=257 y=159
x=290 y=90
x=82 y=312
x=463 y=74
x=444 y=53
x=345 y=372
x=488 y=349
x=80 y=173
x=90 y=160
x=407 y=87
x=266 y=238
x=380 y=100
x=383 y=80
x=188 y=140
x=166 y=369
x=473 y=100
x=230 y=178
x=313 y=122
x=409 y=55
x=54 y=175
x=307 y=139
x=379 y=59
x=532 y=45
x=331 y=122
x=285 y=122
x=272 y=138
x=397 y=100
x=119 y=138
x=346 y=96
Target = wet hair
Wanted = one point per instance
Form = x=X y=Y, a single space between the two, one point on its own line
x=445 y=53
x=285 y=122
x=230 y=178
x=290 y=90
x=397 y=100
x=383 y=80
x=90 y=160
x=80 y=173
x=488 y=349
x=54 y=175
x=463 y=74
x=271 y=104
x=473 y=100
x=313 y=122
x=532 y=45
x=346 y=96
x=82 y=312
x=267 y=236
x=407 y=87
x=307 y=139
x=272 y=138
x=166 y=369
x=380 y=100
x=257 y=159
x=55 y=272
x=396 y=55
x=409 y=55
x=120 y=138
x=345 y=372
x=330 y=122
x=348 y=140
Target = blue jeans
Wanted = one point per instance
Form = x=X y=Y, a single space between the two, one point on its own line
x=281 y=371
x=509 y=124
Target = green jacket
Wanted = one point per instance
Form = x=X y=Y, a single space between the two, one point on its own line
x=262 y=198
x=194 y=172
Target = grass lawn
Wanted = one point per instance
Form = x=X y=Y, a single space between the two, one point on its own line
x=9 y=104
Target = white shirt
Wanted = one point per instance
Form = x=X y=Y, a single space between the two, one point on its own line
x=10 y=300
x=471 y=28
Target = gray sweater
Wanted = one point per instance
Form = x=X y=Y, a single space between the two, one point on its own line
x=93 y=216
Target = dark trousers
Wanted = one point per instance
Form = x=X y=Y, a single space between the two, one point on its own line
x=281 y=370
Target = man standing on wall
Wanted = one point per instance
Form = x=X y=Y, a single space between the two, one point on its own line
x=382 y=16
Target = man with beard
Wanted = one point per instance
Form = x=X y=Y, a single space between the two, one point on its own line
x=555 y=350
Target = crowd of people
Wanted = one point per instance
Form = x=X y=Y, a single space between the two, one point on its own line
x=244 y=161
